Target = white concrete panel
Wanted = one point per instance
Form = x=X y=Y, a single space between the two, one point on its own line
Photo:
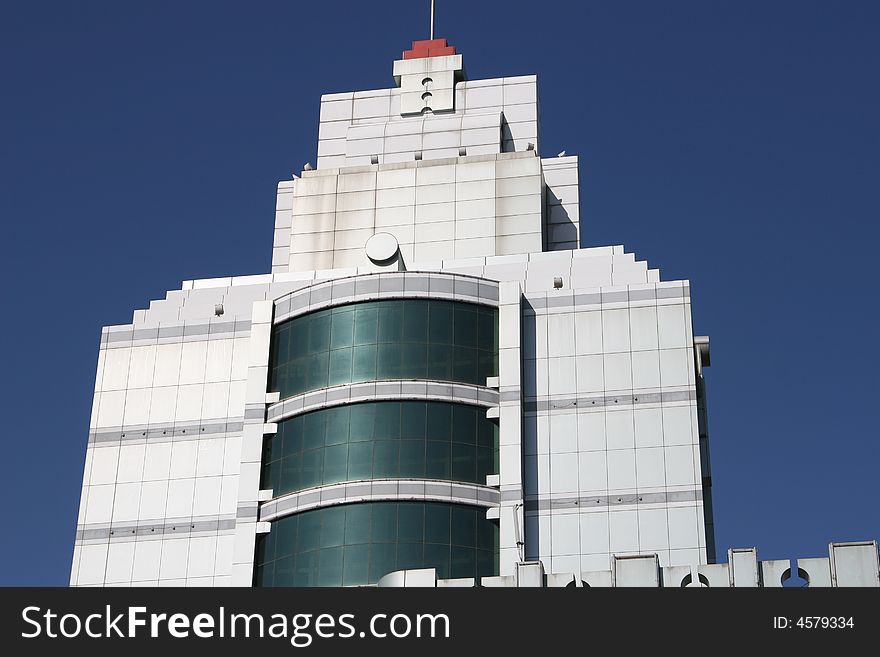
x=157 y=461
x=210 y=457
x=141 y=366
x=562 y=376
x=310 y=244
x=332 y=130
x=646 y=369
x=648 y=427
x=218 y=361
x=180 y=498
x=206 y=501
x=680 y=466
x=671 y=326
x=678 y=427
x=476 y=209
x=229 y=493
x=189 y=402
x=622 y=469
x=444 y=139
x=92 y=565
x=163 y=404
x=593 y=467
x=619 y=429
x=223 y=555
x=379 y=106
x=683 y=527
x=131 y=463
x=588 y=332
x=563 y=432
x=563 y=473
x=104 y=464
x=590 y=374
x=484 y=97
x=336 y=110
x=174 y=559
x=111 y=409
x=399 y=216
x=395 y=197
x=591 y=431
x=215 y=401
x=643 y=328
x=615 y=330
x=232 y=455
x=313 y=186
x=154 y=497
x=396 y=178
x=594 y=532
x=517 y=94
x=354 y=220
x=476 y=229
x=474 y=190
x=653 y=530
x=435 y=175
x=146 y=560
x=521 y=113
x=623 y=531
x=618 y=371
x=564 y=534
x=510 y=205
x=650 y=467
x=99 y=508
x=240 y=352
x=674 y=366
x=434 y=232
x=184 y=454
x=167 y=371
x=561 y=334
x=116 y=363
x=352 y=239
x=137 y=406
x=120 y=559
x=200 y=559
x=442 y=212
x=444 y=193
x=126 y=501
x=192 y=362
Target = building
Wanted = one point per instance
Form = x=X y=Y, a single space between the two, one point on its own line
x=434 y=381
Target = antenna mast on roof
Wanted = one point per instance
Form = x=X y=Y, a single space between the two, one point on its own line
x=432 y=20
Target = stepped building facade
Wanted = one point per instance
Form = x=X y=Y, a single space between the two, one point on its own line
x=435 y=384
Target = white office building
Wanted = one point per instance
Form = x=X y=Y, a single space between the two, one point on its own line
x=434 y=384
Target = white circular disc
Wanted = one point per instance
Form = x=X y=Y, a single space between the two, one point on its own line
x=381 y=247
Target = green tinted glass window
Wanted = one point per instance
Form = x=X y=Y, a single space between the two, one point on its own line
x=379 y=340
x=381 y=440
x=357 y=544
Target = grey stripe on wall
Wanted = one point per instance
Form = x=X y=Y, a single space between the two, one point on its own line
x=131 y=336
x=158 y=529
x=166 y=432
x=602 y=401
x=588 y=502
x=537 y=304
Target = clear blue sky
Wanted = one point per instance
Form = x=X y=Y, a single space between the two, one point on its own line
x=735 y=144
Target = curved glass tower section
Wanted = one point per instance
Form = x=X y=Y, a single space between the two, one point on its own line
x=419 y=457
x=375 y=440
x=430 y=339
x=357 y=544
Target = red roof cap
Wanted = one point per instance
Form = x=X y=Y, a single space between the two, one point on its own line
x=429 y=48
